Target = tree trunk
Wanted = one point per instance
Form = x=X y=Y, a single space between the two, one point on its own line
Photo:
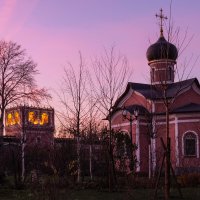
x=167 y=157
x=78 y=160
x=23 y=144
x=1 y=123
x=112 y=174
x=91 y=174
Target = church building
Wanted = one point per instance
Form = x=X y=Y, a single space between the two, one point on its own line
x=148 y=112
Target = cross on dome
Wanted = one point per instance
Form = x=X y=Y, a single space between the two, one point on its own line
x=162 y=18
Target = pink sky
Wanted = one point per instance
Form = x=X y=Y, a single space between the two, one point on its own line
x=53 y=31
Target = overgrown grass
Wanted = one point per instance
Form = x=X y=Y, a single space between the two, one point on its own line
x=137 y=194
x=54 y=188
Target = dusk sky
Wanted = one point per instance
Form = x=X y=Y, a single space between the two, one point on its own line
x=53 y=31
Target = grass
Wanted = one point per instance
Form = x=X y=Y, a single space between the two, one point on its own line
x=137 y=194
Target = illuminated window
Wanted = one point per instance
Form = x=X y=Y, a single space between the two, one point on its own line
x=9 y=119
x=16 y=117
x=31 y=117
x=38 y=119
x=12 y=118
x=44 y=119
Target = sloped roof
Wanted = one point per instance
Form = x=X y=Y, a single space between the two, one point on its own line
x=154 y=93
x=146 y=90
x=191 y=107
x=141 y=109
x=131 y=109
x=175 y=88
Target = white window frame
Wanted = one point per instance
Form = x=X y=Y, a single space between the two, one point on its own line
x=197 y=144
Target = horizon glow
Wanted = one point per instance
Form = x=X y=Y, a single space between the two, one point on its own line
x=53 y=32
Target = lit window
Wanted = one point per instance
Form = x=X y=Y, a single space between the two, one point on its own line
x=9 y=119
x=37 y=118
x=16 y=117
x=12 y=118
x=44 y=119
x=31 y=117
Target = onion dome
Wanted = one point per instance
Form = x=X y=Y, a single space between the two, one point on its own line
x=162 y=49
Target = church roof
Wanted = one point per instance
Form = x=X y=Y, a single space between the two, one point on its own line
x=191 y=107
x=175 y=88
x=153 y=93
x=162 y=49
x=141 y=109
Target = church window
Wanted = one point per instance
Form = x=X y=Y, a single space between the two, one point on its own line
x=152 y=74
x=170 y=72
x=190 y=144
x=123 y=145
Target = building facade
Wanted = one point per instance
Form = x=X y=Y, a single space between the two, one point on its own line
x=160 y=108
x=32 y=125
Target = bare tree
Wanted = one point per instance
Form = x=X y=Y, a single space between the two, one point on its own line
x=93 y=125
x=17 y=81
x=163 y=88
x=111 y=73
x=73 y=98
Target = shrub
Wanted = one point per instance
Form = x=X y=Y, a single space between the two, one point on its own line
x=2 y=178
x=189 y=180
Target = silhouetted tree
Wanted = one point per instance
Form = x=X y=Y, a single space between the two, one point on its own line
x=74 y=100
x=17 y=80
x=111 y=73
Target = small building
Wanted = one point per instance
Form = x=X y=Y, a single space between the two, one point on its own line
x=32 y=124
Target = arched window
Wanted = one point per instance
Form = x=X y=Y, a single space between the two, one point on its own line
x=152 y=74
x=122 y=142
x=169 y=73
x=190 y=144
